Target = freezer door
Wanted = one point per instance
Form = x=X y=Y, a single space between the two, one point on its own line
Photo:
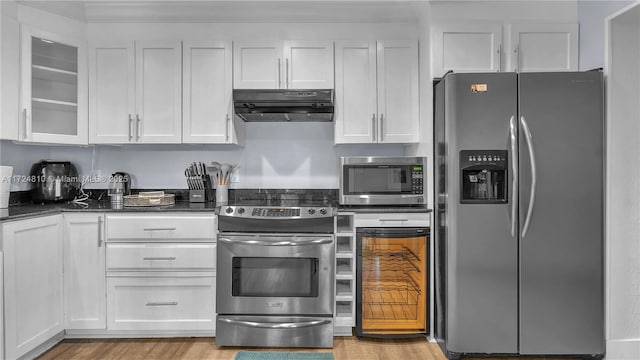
x=482 y=298
x=561 y=249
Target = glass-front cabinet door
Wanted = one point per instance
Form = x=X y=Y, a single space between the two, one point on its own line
x=53 y=88
x=392 y=284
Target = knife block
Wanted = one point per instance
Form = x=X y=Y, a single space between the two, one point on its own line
x=201 y=196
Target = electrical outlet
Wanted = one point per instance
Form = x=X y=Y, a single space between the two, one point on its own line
x=235 y=177
x=95 y=177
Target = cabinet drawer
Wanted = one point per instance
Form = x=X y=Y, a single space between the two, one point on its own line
x=161 y=256
x=161 y=303
x=392 y=220
x=157 y=227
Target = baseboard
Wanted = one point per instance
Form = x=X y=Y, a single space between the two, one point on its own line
x=111 y=334
x=42 y=348
x=623 y=349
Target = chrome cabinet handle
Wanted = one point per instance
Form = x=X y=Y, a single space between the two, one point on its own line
x=292 y=242
x=227 y=128
x=381 y=127
x=26 y=125
x=130 y=128
x=100 y=237
x=269 y=325
x=159 y=229
x=381 y=220
x=171 y=258
x=373 y=125
x=514 y=170
x=279 y=75
x=517 y=60
x=139 y=126
x=534 y=176
x=162 y=303
x=287 y=72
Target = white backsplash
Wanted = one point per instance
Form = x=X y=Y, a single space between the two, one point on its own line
x=276 y=155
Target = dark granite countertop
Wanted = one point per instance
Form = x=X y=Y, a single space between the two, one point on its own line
x=26 y=210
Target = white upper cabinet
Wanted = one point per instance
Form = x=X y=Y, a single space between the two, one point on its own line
x=398 y=103
x=207 y=79
x=478 y=47
x=112 y=93
x=466 y=47
x=283 y=65
x=543 y=47
x=356 y=102
x=257 y=65
x=308 y=64
x=135 y=92
x=53 y=88
x=158 y=91
x=10 y=78
x=376 y=92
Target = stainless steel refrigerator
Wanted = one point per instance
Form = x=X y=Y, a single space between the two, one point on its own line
x=519 y=184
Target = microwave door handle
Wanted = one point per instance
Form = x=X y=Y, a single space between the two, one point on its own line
x=294 y=242
x=270 y=325
x=514 y=172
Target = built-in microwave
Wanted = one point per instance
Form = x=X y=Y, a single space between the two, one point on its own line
x=374 y=180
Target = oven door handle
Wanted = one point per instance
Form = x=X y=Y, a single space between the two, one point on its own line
x=301 y=241
x=269 y=325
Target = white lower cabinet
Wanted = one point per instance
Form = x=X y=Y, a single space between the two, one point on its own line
x=162 y=303
x=161 y=273
x=33 y=283
x=84 y=272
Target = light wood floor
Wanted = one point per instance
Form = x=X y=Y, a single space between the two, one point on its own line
x=345 y=348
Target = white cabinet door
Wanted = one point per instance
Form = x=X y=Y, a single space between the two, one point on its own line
x=355 y=110
x=54 y=88
x=544 y=47
x=84 y=272
x=159 y=91
x=257 y=65
x=468 y=47
x=398 y=107
x=207 y=77
x=111 y=93
x=10 y=75
x=308 y=65
x=33 y=283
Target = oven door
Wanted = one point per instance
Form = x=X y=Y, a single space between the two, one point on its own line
x=275 y=274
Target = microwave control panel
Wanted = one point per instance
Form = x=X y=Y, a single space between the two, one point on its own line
x=417 y=177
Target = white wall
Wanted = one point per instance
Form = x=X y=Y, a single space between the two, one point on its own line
x=591 y=15
x=622 y=72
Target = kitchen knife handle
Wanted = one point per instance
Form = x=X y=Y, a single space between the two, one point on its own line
x=373 y=126
x=139 y=126
x=286 y=73
x=130 y=128
x=279 y=75
x=534 y=176
x=514 y=171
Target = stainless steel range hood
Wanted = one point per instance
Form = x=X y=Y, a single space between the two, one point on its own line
x=283 y=105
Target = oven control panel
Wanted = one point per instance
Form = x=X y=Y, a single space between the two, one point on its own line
x=273 y=212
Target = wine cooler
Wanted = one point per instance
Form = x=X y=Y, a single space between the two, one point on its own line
x=392 y=282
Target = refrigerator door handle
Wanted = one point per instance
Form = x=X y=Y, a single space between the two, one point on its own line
x=532 y=159
x=514 y=170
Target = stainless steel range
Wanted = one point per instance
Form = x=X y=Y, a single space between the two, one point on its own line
x=275 y=282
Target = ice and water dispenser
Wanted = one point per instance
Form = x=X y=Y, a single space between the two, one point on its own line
x=483 y=177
